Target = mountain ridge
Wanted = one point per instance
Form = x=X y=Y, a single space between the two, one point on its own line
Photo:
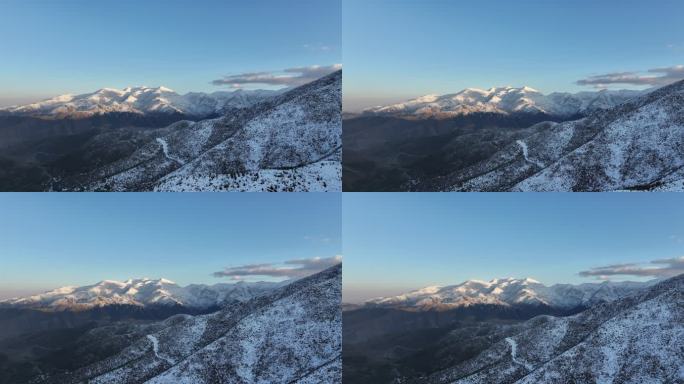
x=293 y=335
x=504 y=100
x=291 y=142
x=141 y=292
x=633 y=339
x=632 y=146
x=139 y=100
x=509 y=292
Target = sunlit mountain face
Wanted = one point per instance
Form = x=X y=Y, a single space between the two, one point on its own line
x=486 y=331
x=145 y=139
x=138 y=100
x=504 y=100
x=74 y=334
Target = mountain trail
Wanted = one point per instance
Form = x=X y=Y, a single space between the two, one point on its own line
x=155 y=348
x=165 y=148
x=524 y=148
x=514 y=352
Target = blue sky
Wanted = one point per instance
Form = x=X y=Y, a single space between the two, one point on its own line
x=51 y=240
x=394 y=49
x=402 y=241
x=53 y=47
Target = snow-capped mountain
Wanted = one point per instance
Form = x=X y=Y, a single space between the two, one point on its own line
x=505 y=100
x=291 y=142
x=510 y=292
x=140 y=100
x=142 y=292
x=290 y=335
x=636 y=339
x=638 y=145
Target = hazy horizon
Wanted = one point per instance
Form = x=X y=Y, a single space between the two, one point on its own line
x=9 y=101
x=55 y=240
x=397 y=49
x=394 y=243
x=81 y=46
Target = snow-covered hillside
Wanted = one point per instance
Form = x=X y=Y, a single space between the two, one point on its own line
x=505 y=100
x=291 y=335
x=140 y=100
x=638 y=145
x=141 y=292
x=510 y=292
x=291 y=142
x=637 y=339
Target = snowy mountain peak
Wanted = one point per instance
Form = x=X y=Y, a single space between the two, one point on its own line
x=504 y=100
x=139 y=100
x=109 y=90
x=140 y=292
x=512 y=280
x=509 y=291
x=135 y=282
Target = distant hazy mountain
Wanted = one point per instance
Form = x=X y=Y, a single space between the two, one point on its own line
x=139 y=100
x=140 y=292
x=510 y=292
x=290 y=335
x=504 y=100
x=636 y=339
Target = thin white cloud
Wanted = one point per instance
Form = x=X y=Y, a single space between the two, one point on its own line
x=290 y=77
x=290 y=269
x=652 y=77
x=677 y=238
x=660 y=268
x=318 y=47
x=676 y=46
